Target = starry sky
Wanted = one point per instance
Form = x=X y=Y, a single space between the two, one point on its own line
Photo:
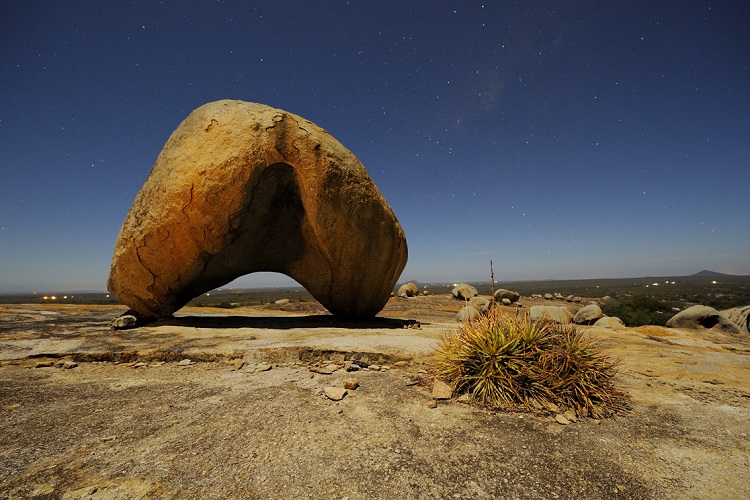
x=560 y=139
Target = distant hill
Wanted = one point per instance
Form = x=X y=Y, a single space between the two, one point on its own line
x=711 y=274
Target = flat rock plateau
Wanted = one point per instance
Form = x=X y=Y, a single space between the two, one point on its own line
x=218 y=403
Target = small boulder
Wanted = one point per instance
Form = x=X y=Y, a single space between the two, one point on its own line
x=468 y=313
x=464 y=292
x=481 y=303
x=507 y=302
x=702 y=317
x=506 y=294
x=609 y=322
x=557 y=314
x=408 y=290
x=588 y=314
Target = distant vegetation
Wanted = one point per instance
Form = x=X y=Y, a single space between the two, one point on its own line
x=642 y=310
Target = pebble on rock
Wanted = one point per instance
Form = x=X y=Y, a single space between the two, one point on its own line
x=351 y=383
x=441 y=390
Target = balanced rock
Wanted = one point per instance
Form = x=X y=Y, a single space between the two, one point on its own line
x=464 y=291
x=702 y=317
x=408 y=290
x=242 y=187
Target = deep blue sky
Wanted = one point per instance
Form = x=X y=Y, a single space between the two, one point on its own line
x=559 y=139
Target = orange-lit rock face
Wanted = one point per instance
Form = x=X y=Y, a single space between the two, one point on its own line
x=241 y=187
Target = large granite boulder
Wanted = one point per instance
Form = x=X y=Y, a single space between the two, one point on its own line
x=740 y=316
x=702 y=317
x=242 y=187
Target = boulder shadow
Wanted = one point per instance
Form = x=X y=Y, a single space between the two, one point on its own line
x=284 y=322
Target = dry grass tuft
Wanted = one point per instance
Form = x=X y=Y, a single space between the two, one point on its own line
x=515 y=363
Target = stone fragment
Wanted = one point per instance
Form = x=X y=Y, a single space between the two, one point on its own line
x=351 y=366
x=561 y=419
x=282 y=302
x=184 y=362
x=441 y=390
x=432 y=404
x=242 y=187
x=124 y=322
x=351 y=383
x=570 y=415
x=334 y=393
x=324 y=370
x=67 y=365
x=44 y=364
x=264 y=367
x=375 y=368
x=239 y=364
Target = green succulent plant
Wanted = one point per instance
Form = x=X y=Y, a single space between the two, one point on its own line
x=515 y=363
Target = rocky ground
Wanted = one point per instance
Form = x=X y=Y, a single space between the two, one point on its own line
x=232 y=404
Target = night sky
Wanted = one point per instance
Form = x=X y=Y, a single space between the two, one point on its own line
x=559 y=139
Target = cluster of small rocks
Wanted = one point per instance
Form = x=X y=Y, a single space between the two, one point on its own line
x=477 y=305
x=443 y=392
x=557 y=296
x=66 y=364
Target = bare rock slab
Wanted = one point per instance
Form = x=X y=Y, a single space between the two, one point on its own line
x=241 y=188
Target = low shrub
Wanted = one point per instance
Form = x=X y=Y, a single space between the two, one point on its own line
x=639 y=311
x=515 y=363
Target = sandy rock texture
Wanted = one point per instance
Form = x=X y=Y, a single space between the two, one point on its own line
x=242 y=187
x=214 y=403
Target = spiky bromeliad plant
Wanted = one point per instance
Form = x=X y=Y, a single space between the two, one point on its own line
x=514 y=363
